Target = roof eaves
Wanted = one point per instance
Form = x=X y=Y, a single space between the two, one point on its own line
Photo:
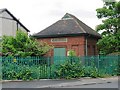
x=96 y=36
x=65 y=35
x=61 y=35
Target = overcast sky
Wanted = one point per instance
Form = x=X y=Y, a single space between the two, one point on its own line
x=36 y=15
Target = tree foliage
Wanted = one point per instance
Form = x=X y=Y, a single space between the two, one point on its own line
x=111 y=15
x=110 y=27
x=21 y=45
x=109 y=44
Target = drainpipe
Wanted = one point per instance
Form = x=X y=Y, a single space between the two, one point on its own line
x=86 y=49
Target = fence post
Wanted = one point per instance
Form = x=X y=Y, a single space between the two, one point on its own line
x=98 y=68
x=48 y=64
x=98 y=62
x=118 y=65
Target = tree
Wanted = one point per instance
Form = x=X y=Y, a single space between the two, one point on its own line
x=111 y=15
x=110 y=27
x=21 y=45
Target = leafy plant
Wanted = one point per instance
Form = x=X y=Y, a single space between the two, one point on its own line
x=22 y=45
x=110 y=27
x=90 y=71
x=68 y=70
x=71 y=53
x=20 y=72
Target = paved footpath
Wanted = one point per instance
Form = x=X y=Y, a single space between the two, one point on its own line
x=57 y=83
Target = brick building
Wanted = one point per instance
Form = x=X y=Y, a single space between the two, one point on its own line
x=69 y=33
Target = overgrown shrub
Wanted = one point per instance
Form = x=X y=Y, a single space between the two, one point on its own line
x=22 y=46
x=70 y=70
x=90 y=71
x=13 y=71
x=71 y=53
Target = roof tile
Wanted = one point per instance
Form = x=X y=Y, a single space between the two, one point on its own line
x=68 y=25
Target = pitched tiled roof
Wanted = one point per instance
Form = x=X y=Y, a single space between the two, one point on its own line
x=14 y=18
x=69 y=25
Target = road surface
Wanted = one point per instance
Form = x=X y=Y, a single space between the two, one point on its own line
x=99 y=85
x=76 y=83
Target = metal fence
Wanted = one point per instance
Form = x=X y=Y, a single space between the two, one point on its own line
x=105 y=64
x=45 y=67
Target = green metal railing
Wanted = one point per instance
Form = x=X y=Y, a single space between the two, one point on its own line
x=45 y=67
x=105 y=64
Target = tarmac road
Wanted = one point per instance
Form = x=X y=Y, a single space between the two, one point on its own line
x=99 y=85
x=111 y=82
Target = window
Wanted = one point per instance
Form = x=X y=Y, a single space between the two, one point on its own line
x=59 y=40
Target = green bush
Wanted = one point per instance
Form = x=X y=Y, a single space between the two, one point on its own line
x=76 y=70
x=71 y=53
x=90 y=71
x=13 y=71
x=70 y=70
x=22 y=46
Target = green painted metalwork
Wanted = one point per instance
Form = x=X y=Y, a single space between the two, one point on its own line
x=59 y=52
x=59 y=55
x=45 y=67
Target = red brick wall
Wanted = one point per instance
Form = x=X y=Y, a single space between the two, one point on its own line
x=92 y=48
x=75 y=43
